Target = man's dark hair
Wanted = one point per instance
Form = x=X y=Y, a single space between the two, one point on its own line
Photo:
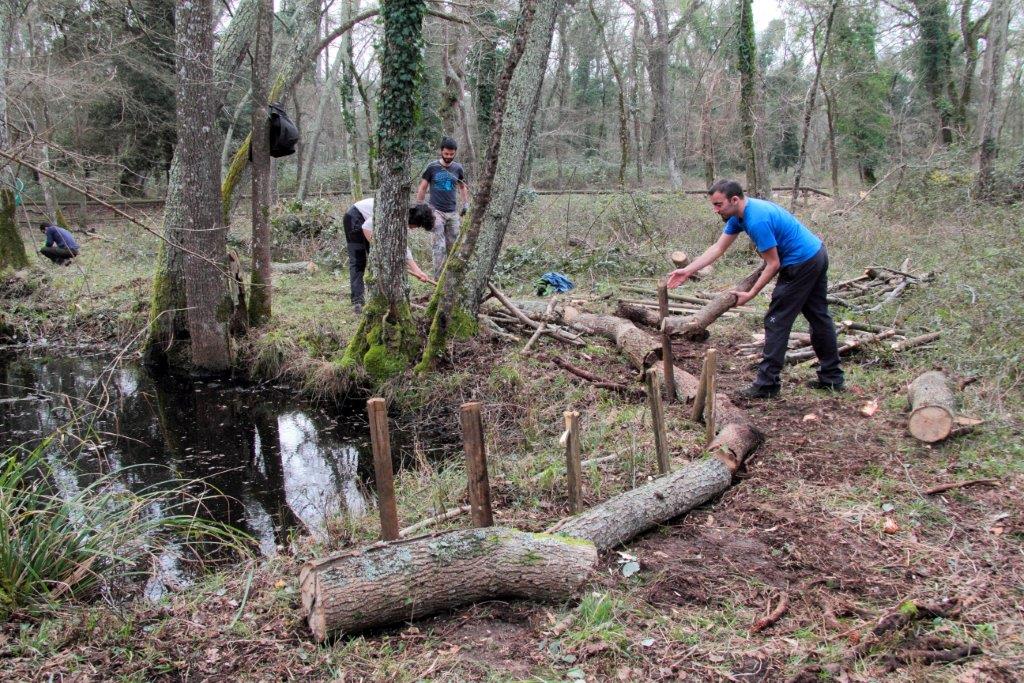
x=421 y=215
x=449 y=143
x=730 y=188
x=44 y=226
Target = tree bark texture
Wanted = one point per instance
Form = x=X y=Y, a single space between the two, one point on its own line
x=991 y=80
x=521 y=105
x=746 y=59
x=620 y=93
x=932 y=407
x=386 y=340
x=415 y=578
x=451 y=317
x=348 y=113
x=12 y=249
x=812 y=94
x=168 y=327
x=694 y=327
x=629 y=514
x=206 y=291
x=261 y=292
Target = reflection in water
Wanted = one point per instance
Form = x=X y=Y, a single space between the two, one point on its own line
x=279 y=463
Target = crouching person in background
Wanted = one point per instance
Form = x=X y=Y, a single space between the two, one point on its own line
x=60 y=247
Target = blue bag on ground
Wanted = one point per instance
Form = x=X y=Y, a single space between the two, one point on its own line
x=553 y=283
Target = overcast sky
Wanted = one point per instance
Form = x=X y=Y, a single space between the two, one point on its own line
x=764 y=12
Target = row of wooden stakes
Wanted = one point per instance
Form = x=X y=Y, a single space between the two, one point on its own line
x=471 y=421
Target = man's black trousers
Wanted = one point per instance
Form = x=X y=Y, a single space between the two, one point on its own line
x=801 y=288
x=58 y=255
x=358 y=249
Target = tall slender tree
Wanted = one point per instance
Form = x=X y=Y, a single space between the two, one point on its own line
x=260 y=282
x=386 y=341
x=746 y=62
x=209 y=304
x=992 y=77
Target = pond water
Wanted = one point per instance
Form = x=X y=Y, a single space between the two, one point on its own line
x=280 y=463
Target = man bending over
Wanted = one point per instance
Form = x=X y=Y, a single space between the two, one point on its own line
x=60 y=247
x=799 y=258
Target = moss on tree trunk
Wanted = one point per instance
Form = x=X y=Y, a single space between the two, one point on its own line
x=12 y=249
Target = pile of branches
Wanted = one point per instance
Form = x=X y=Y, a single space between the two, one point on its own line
x=877 y=287
x=853 y=336
x=506 y=322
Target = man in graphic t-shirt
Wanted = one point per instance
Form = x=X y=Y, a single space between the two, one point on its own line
x=801 y=261
x=442 y=177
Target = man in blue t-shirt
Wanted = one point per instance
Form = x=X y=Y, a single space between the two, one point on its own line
x=442 y=177
x=60 y=247
x=801 y=261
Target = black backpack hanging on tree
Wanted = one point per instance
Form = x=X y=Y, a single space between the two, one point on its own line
x=284 y=134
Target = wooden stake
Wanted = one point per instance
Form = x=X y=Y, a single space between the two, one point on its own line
x=697 y=414
x=711 y=363
x=476 y=464
x=658 y=419
x=377 y=409
x=573 y=469
x=666 y=342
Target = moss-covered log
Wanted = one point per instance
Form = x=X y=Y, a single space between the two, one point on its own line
x=629 y=514
x=12 y=249
x=403 y=580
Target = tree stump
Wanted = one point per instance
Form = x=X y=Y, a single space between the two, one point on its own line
x=932 y=407
x=410 y=579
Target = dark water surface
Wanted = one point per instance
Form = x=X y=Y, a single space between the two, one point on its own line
x=280 y=462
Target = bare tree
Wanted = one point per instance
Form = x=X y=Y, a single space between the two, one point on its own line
x=991 y=81
x=260 y=282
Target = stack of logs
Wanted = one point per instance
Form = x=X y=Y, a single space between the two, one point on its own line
x=876 y=287
x=801 y=353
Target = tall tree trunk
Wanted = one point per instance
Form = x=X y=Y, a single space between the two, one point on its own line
x=935 y=57
x=209 y=305
x=634 y=104
x=991 y=81
x=746 y=57
x=261 y=292
x=707 y=133
x=229 y=136
x=386 y=340
x=166 y=345
x=453 y=316
x=318 y=124
x=348 y=114
x=812 y=94
x=12 y=249
x=621 y=96
x=833 y=154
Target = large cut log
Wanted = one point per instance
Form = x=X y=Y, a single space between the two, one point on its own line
x=932 y=407
x=629 y=514
x=402 y=580
x=695 y=327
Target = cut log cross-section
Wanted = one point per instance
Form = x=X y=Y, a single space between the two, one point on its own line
x=403 y=580
x=932 y=407
x=695 y=327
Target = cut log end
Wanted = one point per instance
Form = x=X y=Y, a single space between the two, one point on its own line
x=931 y=423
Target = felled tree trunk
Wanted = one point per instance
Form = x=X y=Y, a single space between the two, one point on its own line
x=410 y=579
x=694 y=327
x=932 y=407
x=629 y=514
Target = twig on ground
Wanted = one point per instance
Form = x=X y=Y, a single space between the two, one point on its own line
x=773 y=616
x=960 y=484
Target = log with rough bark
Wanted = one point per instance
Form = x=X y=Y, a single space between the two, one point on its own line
x=409 y=579
x=629 y=514
x=695 y=326
x=932 y=407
